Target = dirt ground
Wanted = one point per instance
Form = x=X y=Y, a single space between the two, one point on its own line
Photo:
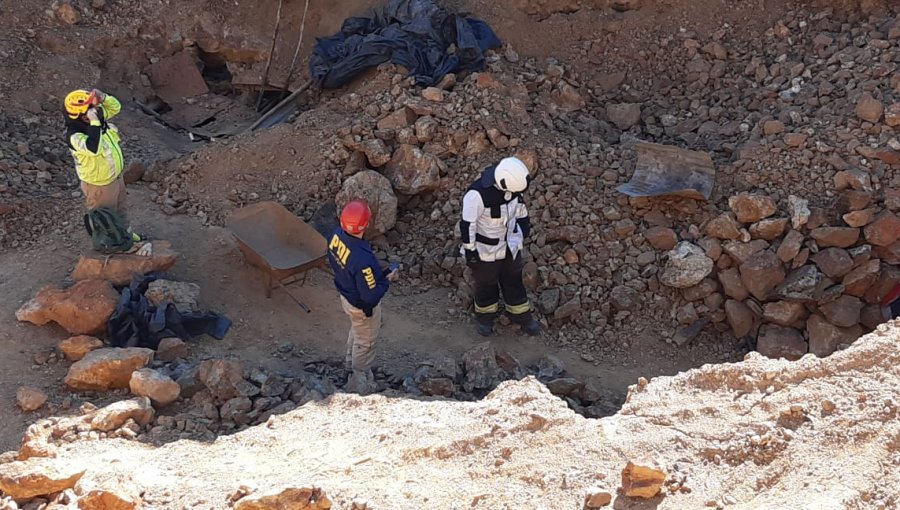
x=209 y=258
x=416 y=328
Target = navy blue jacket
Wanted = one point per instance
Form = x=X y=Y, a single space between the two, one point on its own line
x=357 y=274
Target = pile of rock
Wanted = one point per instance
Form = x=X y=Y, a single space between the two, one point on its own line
x=37 y=181
x=781 y=114
x=809 y=281
x=217 y=396
x=40 y=483
x=222 y=396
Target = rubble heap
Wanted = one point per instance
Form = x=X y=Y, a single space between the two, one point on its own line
x=781 y=114
x=808 y=282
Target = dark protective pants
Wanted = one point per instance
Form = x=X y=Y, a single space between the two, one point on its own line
x=490 y=279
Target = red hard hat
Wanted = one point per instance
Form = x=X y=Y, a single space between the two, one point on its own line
x=355 y=217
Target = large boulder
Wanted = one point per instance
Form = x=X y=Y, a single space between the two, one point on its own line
x=641 y=481
x=825 y=337
x=834 y=262
x=768 y=229
x=661 y=238
x=869 y=109
x=111 y=492
x=781 y=342
x=116 y=414
x=840 y=237
x=732 y=285
x=843 y=311
x=222 y=377
x=761 y=274
x=82 y=309
x=752 y=208
x=740 y=317
x=37 y=477
x=170 y=349
x=404 y=117
x=106 y=369
x=159 y=388
x=884 y=231
x=480 y=367
x=184 y=295
x=376 y=151
x=799 y=209
x=30 y=399
x=688 y=265
x=376 y=190
x=741 y=252
x=569 y=99
x=624 y=115
x=119 y=269
x=77 y=347
x=412 y=171
x=784 y=313
x=802 y=284
x=288 y=499
x=724 y=226
x=790 y=246
x=860 y=280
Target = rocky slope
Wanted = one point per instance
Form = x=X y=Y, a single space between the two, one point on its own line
x=818 y=433
x=804 y=108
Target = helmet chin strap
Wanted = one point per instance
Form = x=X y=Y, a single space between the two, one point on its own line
x=507 y=195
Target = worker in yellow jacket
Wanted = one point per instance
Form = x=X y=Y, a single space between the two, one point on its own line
x=94 y=143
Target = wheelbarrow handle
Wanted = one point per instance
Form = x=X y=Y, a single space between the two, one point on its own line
x=294 y=297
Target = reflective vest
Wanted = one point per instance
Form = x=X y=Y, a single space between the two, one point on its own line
x=95 y=146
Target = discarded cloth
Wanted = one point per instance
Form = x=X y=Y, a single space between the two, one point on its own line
x=138 y=323
x=416 y=34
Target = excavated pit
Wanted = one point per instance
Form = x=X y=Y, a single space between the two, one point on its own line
x=212 y=183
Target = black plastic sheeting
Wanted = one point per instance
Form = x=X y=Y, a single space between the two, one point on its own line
x=138 y=323
x=415 y=34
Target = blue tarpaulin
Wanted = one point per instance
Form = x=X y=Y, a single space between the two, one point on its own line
x=415 y=34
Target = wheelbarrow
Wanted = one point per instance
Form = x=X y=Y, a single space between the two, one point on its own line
x=279 y=244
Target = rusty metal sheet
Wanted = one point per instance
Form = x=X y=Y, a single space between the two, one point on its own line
x=669 y=170
x=176 y=77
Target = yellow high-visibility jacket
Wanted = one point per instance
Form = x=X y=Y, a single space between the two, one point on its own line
x=95 y=146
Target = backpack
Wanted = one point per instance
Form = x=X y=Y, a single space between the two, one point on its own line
x=107 y=232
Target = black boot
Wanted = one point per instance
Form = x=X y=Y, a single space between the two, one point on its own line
x=527 y=322
x=532 y=327
x=485 y=329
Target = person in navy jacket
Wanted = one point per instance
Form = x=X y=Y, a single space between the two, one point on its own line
x=362 y=284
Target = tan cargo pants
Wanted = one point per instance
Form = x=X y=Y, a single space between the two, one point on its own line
x=112 y=196
x=363 y=334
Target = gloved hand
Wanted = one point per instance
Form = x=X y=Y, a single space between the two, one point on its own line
x=472 y=257
x=99 y=96
x=368 y=311
x=92 y=115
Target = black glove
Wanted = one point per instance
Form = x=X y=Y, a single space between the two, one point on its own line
x=472 y=257
x=368 y=311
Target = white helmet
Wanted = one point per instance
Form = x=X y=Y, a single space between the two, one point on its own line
x=511 y=175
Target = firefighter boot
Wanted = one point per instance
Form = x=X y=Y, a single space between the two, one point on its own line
x=532 y=327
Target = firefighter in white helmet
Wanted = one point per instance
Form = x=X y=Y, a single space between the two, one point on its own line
x=494 y=226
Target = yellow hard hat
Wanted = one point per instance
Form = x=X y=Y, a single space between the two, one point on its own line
x=77 y=103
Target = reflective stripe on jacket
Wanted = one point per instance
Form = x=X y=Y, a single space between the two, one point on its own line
x=95 y=147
